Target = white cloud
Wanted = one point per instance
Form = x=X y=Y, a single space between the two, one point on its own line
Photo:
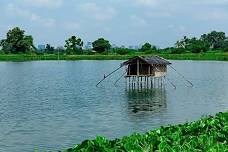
x=97 y=12
x=217 y=14
x=159 y=14
x=182 y=28
x=13 y=10
x=171 y=26
x=35 y=17
x=72 y=25
x=90 y=7
x=16 y=11
x=138 y=21
x=147 y=2
x=107 y=29
x=215 y=2
x=41 y=3
x=43 y=21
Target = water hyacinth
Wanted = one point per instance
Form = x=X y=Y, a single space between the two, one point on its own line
x=207 y=134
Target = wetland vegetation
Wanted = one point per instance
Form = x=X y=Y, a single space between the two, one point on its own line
x=208 y=134
x=17 y=46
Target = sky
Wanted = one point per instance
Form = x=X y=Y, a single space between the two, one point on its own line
x=122 y=22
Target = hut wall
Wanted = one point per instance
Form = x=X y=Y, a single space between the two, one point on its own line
x=160 y=70
x=144 y=69
x=132 y=70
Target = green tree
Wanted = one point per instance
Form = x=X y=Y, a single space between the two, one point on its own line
x=17 y=42
x=183 y=43
x=60 y=50
x=196 y=46
x=146 y=47
x=213 y=39
x=224 y=45
x=101 y=45
x=49 y=49
x=1 y=51
x=74 y=45
x=193 y=45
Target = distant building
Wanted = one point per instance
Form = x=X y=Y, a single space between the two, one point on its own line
x=138 y=47
x=114 y=46
x=122 y=46
x=41 y=47
x=131 y=47
x=60 y=50
x=89 y=45
x=60 y=47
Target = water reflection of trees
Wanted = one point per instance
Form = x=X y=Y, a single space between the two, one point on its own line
x=146 y=100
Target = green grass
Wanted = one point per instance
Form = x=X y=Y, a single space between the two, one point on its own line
x=208 y=134
x=186 y=56
x=200 y=56
x=24 y=57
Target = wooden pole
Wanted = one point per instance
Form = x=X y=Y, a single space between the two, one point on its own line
x=149 y=70
x=182 y=76
x=120 y=77
x=145 y=81
x=126 y=82
x=108 y=75
x=171 y=83
x=137 y=67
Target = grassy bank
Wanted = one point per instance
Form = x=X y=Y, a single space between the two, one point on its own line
x=207 y=134
x=200 y=56
x=187 y=56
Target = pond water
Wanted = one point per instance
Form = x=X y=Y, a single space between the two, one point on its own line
x=51 y=105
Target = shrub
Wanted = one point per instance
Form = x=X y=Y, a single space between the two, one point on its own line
x=122 y=51
x=90 y=53
x=104 y=53
x=177 y=51
x=2 y=52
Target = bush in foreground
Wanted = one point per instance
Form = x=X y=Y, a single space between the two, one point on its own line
x=207 y=134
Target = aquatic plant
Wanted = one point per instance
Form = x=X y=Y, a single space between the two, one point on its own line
x=207 y=134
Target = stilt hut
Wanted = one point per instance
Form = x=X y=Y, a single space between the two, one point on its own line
x=146 y=71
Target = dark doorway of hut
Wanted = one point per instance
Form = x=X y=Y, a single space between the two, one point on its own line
x=145 y=73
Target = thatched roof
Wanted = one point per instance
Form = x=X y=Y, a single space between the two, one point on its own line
x=153 y=60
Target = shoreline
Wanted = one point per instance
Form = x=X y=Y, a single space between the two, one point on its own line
x=187 y=56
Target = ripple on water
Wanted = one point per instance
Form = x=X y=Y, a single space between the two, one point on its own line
x=53 y=105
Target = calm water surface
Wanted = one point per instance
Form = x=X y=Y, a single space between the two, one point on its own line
x=53 y=105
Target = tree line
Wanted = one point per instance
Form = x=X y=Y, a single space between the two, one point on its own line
x=17 y=41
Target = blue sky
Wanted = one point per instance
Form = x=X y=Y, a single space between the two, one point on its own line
x=123 y=22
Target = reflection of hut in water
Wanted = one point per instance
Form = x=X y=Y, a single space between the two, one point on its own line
x=147 y=72
x=146 y=100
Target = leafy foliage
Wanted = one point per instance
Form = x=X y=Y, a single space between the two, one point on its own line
x=101 y=45
x=122 y=51
x=214 y=39
x=211 y=41
x=177 y=51
x=74 y=45
x=146 y=46
x=207 y=134
x=193 y=45
x=49 y=49
x=17 y=42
